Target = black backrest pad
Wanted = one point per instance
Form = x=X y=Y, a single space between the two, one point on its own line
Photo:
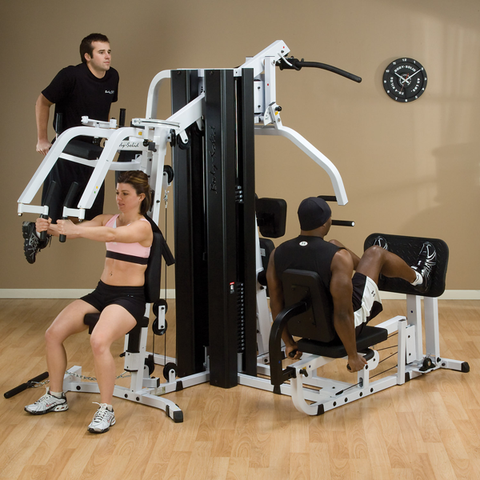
x=317 y=322
x=83 y=149
x=266 y=248
x=154 y=269
x=408 y=248
x=271 y=216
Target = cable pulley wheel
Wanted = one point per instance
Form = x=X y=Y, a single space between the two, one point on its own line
x=150 y=363
x=159 y=303
x=159 y=331
x=169 y=171
x=167 y=368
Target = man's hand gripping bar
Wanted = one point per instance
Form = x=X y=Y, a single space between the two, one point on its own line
x=48 y=200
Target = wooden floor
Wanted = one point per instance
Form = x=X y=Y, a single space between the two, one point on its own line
x=427 y=429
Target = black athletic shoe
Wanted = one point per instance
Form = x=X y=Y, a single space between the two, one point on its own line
x=381 y=242
x=32 y=244
x=427 y=259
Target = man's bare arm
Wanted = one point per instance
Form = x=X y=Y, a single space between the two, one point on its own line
x=42 y=113
x=341 y=290
x=355 y=257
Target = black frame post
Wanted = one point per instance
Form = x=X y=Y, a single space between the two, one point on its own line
x=246 y=220
x=215 y=229
x=220 y=174
x=190 y=270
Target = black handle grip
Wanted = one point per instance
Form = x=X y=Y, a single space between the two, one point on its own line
x=121 y=119
x=337 y=223
x=68 y=200
x=333 y=69
x=328 y=198
x=296 y=64
x=343 y=223
x=48 y=201
x=25 y=385
x=58 y=123
x=368 y=355
x=38 y=378
x=16 y=390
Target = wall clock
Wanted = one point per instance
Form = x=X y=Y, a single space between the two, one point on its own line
x=405 y=80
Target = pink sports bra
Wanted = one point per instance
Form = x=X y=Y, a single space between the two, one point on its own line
x=128 y=252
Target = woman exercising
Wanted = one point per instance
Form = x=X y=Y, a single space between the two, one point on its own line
x=119 y=296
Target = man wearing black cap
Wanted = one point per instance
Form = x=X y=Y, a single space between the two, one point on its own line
x=354 y=296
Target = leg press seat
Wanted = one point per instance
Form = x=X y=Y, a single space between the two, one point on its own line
x=305 y=314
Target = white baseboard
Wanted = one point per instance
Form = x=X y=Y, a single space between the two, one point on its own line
x=447 y=295
x=58 y=293
x=77 y=293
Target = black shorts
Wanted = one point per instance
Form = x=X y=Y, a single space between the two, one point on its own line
x=131 y=299
x=365 y=299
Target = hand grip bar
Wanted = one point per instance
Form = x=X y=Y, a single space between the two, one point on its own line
x=25 y=385
x=337 y=223
x=343 y=223
x=68 y=200
x=368 y=355
x=58 y=123
x=48 y=201
x=293 y=63
x=121 y=120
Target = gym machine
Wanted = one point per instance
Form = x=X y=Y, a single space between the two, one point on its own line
x=222 y=316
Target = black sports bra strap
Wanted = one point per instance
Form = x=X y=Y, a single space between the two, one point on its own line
x=127 y=258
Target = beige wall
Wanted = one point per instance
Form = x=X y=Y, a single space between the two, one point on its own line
x=408 y=169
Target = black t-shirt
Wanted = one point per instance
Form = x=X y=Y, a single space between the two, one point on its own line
x=76 y=92
x=308 y=253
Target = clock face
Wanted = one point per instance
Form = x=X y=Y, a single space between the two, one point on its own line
x=405 y=80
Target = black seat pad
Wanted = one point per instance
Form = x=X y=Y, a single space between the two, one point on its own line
x=81 y=149
x=369 y=336
x=91 y=320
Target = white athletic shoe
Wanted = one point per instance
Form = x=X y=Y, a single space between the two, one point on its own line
x=102 y=420
x=381 y=242
x=427 y=259
x=48 y=403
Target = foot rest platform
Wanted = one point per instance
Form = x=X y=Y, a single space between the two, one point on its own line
x=408 y=248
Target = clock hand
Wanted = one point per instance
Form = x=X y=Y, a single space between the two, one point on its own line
x=401 y=77
x=407 y=79
x=418 y=71
x=404 y=80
